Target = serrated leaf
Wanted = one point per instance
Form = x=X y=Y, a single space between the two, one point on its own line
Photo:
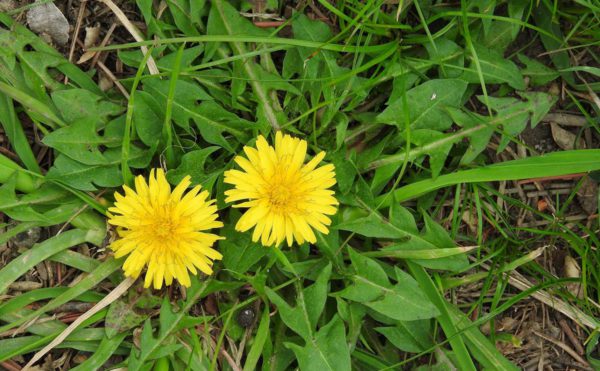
x=210 y=118
x=437 y=156
x=239 y=252
x=538 y=73
x=84 y=177
x=120 y=317
x=426 y=105
x=445 y=52
x=192 y=164
x=409 y=336
x=79 y=141
x=81 y=104
x=372 y=288
x=495 y=69
x=328 y=351
x=302 y=318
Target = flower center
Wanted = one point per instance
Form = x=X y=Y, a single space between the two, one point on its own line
x=163 y=229
x=280 y=195
x=281 y=198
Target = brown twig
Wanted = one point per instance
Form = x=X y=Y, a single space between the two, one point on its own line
x=267 y=24
x=10 y=365
x=103 y=44
x=572 y=338
x=563 y=346
x=114 y=79
x=76 y=33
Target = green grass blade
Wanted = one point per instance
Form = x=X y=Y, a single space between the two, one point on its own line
x=418 y=254
x=445 y=319
x=38 y=253
x=552 y=164
x=31 y=103
x=481 y=348
x=76 y=260
x=106 y=349
x=267 y=104
x=368 y=49
x=259 y=341
x=16 y=135
x=94 y=278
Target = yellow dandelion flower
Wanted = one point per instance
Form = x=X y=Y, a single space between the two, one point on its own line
x=285 y=197
x=163 y=229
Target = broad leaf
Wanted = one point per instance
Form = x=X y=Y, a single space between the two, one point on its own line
x=302 y=318
x=426 y=105
x=328 y=351
x=495 y=69
x=404 y=301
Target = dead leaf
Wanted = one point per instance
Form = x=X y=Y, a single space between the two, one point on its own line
x=572 y=270
x=542 y=205
x=86 y=57
x=565 y=139
x=91 y=36
x=587 y=195
x=7 y=5
x=470 y=219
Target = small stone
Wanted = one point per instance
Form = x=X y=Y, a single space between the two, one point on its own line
x=48 y=19
x=246 y=317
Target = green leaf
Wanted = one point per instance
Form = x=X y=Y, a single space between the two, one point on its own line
x=328 y=350
x=84 y=177
x=210 y=118
x=372 y=288
x=153 y=347
x=14 y=131
x=192 y=164
x=426 y=105
x=105 y=350
x=591 y=351
x=538 y=73
x=256 y=349
x=445 y=52
x=79 y=141
x=455 y=338
x=302 y=318
x=121 y=316
x=437 y=156
x=81 y=104
x=402 y=228
x=484 y=351
x=495 y=69
x=500 y=36
x=18 y=209
x=409 y=336
x=225 y=19
x=39 y=252
x=148 y=117
x=239 y=252
x=372 y=226
x=552 y=164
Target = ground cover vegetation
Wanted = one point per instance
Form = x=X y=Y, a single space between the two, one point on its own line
x=313 y=185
